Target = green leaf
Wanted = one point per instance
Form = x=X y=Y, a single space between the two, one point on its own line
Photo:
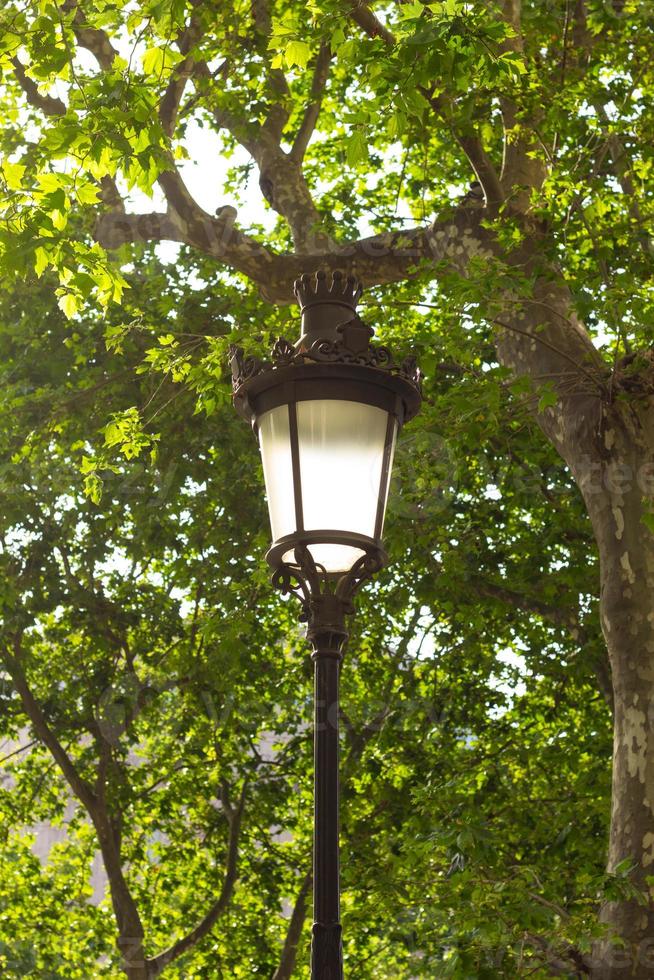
x=157 y=60
x=548 y=398
x=93 y=487
x=87 y=193
x=357 y=147
x=41 y=260
x=297 y=53
x=69 y=304
x=13 y=174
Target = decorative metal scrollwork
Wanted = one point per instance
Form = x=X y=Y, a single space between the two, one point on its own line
x=308 y=580
x=352 y=347
x=243 y=368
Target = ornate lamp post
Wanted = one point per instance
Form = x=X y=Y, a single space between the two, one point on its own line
x=327 y=411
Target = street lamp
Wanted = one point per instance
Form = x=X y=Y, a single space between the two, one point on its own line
x=326 y=411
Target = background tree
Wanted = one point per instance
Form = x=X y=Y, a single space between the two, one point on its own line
x=529 y=297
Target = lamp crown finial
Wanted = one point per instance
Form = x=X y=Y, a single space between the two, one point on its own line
x=321 y=287
x=326 y=301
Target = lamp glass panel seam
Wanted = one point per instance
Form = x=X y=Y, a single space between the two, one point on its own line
x=385 y=481
x=295 y=462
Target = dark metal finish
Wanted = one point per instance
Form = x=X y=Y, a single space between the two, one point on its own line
x=295 y=462
x=327 y=602
x=371 y=548
x=328 y=635
x=391 y=426
x=315 y=587
x=326 y=952
x=325 y=305
x=318 y=381
x=349 y=368
x=349 y=365
x=334 y=359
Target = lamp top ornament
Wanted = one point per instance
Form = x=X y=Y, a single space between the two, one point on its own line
x=325 y=305
x=332 y=333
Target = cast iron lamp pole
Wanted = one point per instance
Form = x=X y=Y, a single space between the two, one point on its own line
x=327 y=411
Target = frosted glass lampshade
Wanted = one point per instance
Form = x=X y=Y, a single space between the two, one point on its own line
x=327 y=464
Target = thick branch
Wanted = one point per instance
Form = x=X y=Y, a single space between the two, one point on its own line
x=559 y=964
x=280 y=174
x=94 y=40
x=160 y=962
x=294 y=933
x=47 y=104
x=381 y=259
x=127 y=917
x=110 y=195
x=362 y=15
x=512 y=13
x=521 y=167
x=128 y=920
x=312 y=111
x=481 y=163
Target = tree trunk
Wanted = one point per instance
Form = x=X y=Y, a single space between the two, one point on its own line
x=130 y=928
x=617 y=497
x=603 y=427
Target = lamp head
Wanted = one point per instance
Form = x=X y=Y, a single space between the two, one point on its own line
x=327 y=412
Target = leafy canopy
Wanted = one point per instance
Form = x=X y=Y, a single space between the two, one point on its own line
x=133 y=599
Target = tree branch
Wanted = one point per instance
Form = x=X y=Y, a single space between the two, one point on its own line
x=47 y=104
x=169 y=105
x=51 y=106
x=469 y=141
x=312 y=111
x=245 y=133
x=378 y=260
x=481 y=163
x=362 y=15
x=42 y=729
x=280 y=175
x=296 y=924
x=621 y=165
x=512 y=13
x=559 y=616
x=129 y=924
x=559 y=964
x=94 y=40
x=160 y=962
x=278 y=113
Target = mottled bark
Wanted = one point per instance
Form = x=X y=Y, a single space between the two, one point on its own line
x=380 y=259
x=617 y=495
x=603 y=427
